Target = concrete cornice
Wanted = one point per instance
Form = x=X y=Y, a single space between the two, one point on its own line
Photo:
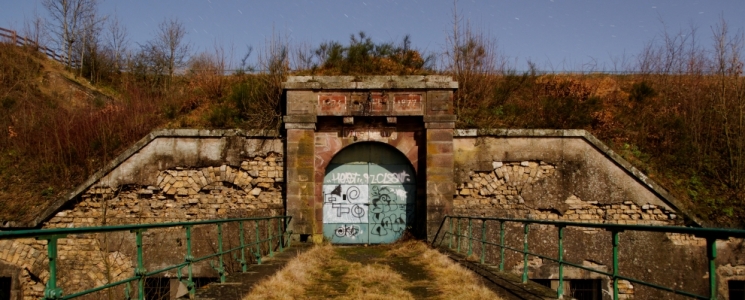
x=369 y=82
x=136 y=147
x=655 y=188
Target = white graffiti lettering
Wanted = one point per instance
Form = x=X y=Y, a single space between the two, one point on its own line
x=363 y=178
x=346 y=178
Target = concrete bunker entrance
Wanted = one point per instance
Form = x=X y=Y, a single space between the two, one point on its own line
x=369 y=195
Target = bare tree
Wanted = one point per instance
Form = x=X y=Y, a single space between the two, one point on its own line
x=117 y=41
x=170 y=45
x=34 y=30
x=67 y=21
x=729 y=99
x=473 y=58
x=90 y=43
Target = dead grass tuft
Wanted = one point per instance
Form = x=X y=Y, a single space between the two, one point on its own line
x=408 y=248
x=452 y=280
x=374 y=281
x=294 y=277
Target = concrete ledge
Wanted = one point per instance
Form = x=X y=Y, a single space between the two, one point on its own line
x=597 y=144
x=136 y=147
x=440 y=118
x=369 y=82
x=300 y=119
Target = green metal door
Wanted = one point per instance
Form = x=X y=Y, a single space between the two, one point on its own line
x=369 y=192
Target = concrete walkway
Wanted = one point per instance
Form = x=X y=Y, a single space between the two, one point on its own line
x=238 y=285
x=509 y=286
x=506 y=285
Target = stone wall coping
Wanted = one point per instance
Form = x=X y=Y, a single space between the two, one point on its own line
x=369 y=82
x=136 y=147
x=655 y=188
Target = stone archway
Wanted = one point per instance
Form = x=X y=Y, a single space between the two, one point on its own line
x=369 y=195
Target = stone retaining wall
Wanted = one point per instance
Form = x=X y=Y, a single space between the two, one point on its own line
x=496 y=192
x=570 y=176
x=238 y=177
x=184 y=194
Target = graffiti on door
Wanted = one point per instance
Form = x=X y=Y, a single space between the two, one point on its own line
x=369 y=193
x=383 y=209
x=387 y=216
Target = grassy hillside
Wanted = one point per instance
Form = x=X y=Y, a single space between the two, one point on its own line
x=685 y=131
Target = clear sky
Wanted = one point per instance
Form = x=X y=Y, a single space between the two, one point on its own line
x=555 y=34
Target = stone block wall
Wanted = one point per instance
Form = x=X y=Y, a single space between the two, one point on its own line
x=570 y=176
x=226 y=176
x=499 y=192
x=184 y=194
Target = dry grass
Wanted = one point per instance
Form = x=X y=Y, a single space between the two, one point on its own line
x=374 y=281
x=324 y=272
x=452 y=280
x=294 y=277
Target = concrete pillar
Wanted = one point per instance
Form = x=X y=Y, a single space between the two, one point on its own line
x=439 y=170
x=300 y=156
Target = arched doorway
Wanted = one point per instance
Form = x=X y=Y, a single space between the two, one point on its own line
x=369 y=194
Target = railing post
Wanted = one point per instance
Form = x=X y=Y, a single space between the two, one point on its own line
x=279 y=235
x=560 y=290
x=258 y=244
x=52 y=291
x=711 y=253
x=501 y=245
x=286 y=220
x=190 y=260
x=615 y=265
x=269 y=236
x=244 y=267
x=459 y=238
x=450 y=229
x=140 y=271
x=483 y=240
x=221 y=268
x=525 y=253
x=470 y=238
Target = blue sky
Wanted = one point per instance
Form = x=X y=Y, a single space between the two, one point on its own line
x=555 y=34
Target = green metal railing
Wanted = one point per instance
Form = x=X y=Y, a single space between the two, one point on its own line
x=269 y=239
x=711 y=235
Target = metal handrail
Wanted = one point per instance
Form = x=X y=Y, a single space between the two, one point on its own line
x=281 y=237
x=711 y=235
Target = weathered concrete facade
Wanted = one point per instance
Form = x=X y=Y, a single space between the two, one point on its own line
x=414 y=114
x=186 y=175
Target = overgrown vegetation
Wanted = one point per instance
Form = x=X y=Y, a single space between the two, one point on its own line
x=364 y=57
x=678 y=115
